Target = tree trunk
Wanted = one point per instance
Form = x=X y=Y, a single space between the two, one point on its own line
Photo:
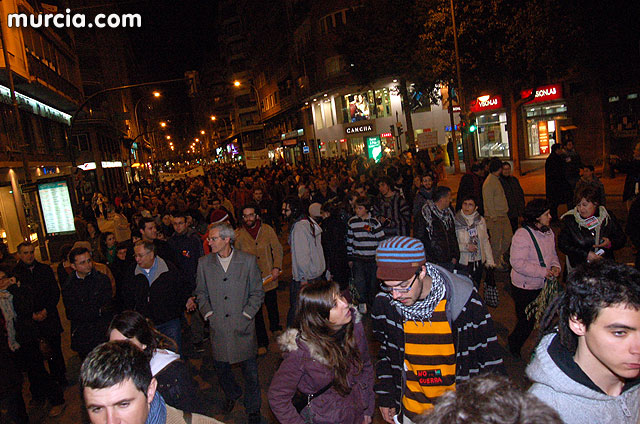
x=407 y=114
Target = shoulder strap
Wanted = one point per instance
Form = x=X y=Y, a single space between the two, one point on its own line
x=535 y=244
x=187 y=417
x=321 y=391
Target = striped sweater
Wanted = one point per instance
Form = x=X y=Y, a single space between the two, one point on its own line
x=476 y=344
x=363 y=237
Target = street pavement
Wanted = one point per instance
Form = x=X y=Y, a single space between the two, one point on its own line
x=503 y=315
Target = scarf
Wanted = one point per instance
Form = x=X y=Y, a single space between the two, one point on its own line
x=466 y=223
x=253 y=231
x=423 y=309
x=430 y=209
x=601 y=215
x=157 y=410
x=9 y=313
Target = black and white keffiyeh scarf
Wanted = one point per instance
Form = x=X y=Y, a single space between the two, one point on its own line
x=430 y=209
x=423 y=309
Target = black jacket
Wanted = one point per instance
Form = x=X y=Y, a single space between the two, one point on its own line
x=42 y=284
x=576 y=242
x=88 y=304
x=334 y=246
x=178 y=388
x=167 y=252
x=442 y=246
x=161 y=301
x=514 y=194
x=189 y=248
x=556 y=184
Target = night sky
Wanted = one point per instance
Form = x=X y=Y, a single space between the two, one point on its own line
x=176 y=36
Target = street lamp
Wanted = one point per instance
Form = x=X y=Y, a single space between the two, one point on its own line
x=224 y=121
x=156 y=94
x=238 y=84
x=202 y=132
x=168 y=137
x=163 y=124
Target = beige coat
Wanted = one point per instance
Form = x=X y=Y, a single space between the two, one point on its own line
x=495 y=201
x=176 y=416
x=266 y=248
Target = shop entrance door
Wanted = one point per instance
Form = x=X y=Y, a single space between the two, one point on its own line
x=9 y=219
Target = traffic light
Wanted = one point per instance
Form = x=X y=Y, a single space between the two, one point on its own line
x=191 y=78
x=472 y=127
x=400 y=129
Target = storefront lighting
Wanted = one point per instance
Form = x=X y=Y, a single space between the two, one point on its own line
x=484 y=98
x=306 y=103
x=33 y=237
x=325 y=94
x=315 y=100
x=632 y=96
x=395 y=80
x=3 y=234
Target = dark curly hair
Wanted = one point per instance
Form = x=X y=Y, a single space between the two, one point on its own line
x=590 y=288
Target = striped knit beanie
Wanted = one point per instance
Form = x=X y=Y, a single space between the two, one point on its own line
x=399 y=258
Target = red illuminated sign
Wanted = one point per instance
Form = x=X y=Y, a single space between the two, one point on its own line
x=483 y=103
x=343 y=140
x=383 y=135
x=544 y=93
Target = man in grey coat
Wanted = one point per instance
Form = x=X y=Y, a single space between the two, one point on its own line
x=229 y=294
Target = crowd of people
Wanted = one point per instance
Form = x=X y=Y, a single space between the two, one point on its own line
x=155 y=274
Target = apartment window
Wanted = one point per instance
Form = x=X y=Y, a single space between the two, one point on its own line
x=317 y=110
x=81 y=142
x=333 y=65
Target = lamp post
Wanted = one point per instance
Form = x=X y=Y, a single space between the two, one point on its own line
x=224 y=121
x=259 y=104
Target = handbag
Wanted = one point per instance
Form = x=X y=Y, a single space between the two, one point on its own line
x=550 y=290
x=302 y=400
x=491 y=297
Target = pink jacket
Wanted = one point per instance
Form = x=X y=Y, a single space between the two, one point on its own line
x=526 y=272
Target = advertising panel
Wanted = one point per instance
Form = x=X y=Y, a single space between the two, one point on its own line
x=56 y=208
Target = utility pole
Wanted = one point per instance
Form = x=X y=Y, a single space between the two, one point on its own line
x=466 y=145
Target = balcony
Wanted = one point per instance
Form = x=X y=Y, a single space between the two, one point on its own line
x=51 y=88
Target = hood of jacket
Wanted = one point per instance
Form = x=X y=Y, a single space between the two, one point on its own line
x=544 y=371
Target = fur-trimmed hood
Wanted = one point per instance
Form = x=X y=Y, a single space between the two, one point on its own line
x=289 y=341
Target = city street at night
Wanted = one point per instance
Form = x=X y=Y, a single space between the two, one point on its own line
x=297 y=211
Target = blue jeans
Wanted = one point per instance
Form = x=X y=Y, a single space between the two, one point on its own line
x=365 y=280
x=232 y=390
x=172 y=329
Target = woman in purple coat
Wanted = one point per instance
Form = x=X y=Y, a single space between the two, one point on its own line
x=325 y=354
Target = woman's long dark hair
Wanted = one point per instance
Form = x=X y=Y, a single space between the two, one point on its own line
x=131 y=324
x=312 y=319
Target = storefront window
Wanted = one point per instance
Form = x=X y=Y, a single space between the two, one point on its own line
x=368 y=105
x=541 y=126
x=491 y=135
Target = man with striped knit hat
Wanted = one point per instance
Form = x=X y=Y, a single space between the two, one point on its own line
x=433 y=327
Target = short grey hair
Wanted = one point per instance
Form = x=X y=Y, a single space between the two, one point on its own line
x=225 y=230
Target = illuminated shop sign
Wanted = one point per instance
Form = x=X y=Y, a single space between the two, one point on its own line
x=544 y=93
x=360 y=128
x=87 y=166
x=36 y=107
x=483 y=103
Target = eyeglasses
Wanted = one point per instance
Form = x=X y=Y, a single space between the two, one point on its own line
x=138 y=256
x=400 y=288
